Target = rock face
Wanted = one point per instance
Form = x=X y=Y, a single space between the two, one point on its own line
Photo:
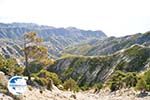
x=90 y=70
x=9 y=49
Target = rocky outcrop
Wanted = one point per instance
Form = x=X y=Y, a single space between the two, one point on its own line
x=3 y=79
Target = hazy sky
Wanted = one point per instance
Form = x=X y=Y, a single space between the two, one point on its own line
x=114 y=17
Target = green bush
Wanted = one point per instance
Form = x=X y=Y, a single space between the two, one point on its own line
x=43 y=78
x=114 y=86
x=71 y=85
x=45 y=82
x=122 y=80
x=41 y=81
x=85 y=87
x=147 y=77
x=18 y=70
x=141 y=84
x=10 y=67
x=98 y=86
x=130 y=79
x=144 y=82
x=49 y=75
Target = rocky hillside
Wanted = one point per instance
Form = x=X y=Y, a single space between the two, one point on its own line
x=56 y=39
x=109 y=45
x=10 y=49
x=90 y=70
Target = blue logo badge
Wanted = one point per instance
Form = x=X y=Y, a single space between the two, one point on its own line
x=17 y=85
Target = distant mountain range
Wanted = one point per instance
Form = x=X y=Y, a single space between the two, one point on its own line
x=109 y=45
x=56 y=39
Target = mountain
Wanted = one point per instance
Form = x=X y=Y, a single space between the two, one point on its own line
x=56 y=39
x=88 y=70
x=16 y=30
x=109 y=45
x=89 y=59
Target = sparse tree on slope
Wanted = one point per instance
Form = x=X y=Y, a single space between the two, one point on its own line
x=33 y=51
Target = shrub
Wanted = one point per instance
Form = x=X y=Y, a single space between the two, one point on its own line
x=141 y=84
x=130 y=80
x=18 y=70
x=98 y=86
x=49 y=75
x=10 y=67
x=41 y=81
x=71 y=85
x=122 y=80
x=147 y=77
x=46 y=79
x=144 y=82
x=114 y=86
x=85 y=87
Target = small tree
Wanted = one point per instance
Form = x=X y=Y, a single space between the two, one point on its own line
x=33 y=51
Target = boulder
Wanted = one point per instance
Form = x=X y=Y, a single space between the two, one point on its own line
x=3 y=79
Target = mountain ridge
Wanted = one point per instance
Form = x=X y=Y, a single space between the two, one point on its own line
x=109 y=45
x=56 y=39
x=94 y=69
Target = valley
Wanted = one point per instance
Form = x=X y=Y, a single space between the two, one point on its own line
x=79 y=61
